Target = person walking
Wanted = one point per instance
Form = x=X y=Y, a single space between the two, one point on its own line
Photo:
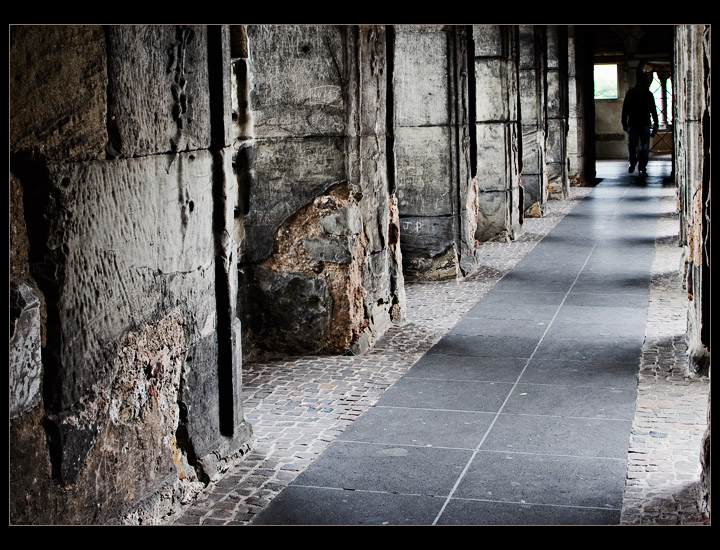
x=637 y=111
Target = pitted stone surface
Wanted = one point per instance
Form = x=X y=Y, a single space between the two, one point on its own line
x=300 y=405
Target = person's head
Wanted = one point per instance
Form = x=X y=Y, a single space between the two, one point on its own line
x=643 y=79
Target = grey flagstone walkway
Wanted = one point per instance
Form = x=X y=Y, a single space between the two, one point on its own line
x=521 y=413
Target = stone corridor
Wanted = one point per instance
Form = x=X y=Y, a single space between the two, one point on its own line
x=251 y=264
x=336 y=438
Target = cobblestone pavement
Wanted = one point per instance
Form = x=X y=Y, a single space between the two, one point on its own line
x=671 y=408
x=299 y=406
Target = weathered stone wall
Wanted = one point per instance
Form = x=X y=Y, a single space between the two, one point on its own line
x=122 y=327
x=692 y=175
x=531 y=70
x=437 y=196
x=497 y=132
x=321 y=225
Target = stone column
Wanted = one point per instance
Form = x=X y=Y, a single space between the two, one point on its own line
x=577 y=90
x=532 y=114
x=121 y=151
x=320 y=265
x=691 y=125
x=557 y=112
x=692 y=135
x=436 y=196
x=497 y=132
x=663 y=107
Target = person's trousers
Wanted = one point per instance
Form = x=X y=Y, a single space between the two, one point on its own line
x=639 y=145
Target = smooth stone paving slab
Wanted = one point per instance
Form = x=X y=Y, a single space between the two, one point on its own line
x=402 y=469
x=322 y=506
x=577 y=401
x=535 y=282
x=596 y=482
x=473 y=326
x=423 y=393
x=568 y=330
x=625 y=285
x=421 y=427
x=582 y=373
x=500 y=299
x=577 y=350
x=486 y=346
x=561 y=435
x=601 y=313
x=478 y=512
x=463 y=367
x=601 y=333
x=530 y=313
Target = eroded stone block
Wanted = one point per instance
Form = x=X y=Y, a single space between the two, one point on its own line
x=308 y=295
x=127 y=237
x=499 y=216
x=281 y=188
x=491 y=93
x=25 y=359
x=298 y=75
x=420 y=76
x=441 y=267
x=58 y=90
x=337 y=250
x=494 y=156
x=488 y=40
x=346 y=221
x=291 y=311
x=426 y=236
x=158 y=98
x=424 y=171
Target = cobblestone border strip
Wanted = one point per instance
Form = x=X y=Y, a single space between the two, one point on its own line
x=671 y=410
x=298 y=406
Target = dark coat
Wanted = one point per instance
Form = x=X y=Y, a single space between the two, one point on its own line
x=639 y=108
